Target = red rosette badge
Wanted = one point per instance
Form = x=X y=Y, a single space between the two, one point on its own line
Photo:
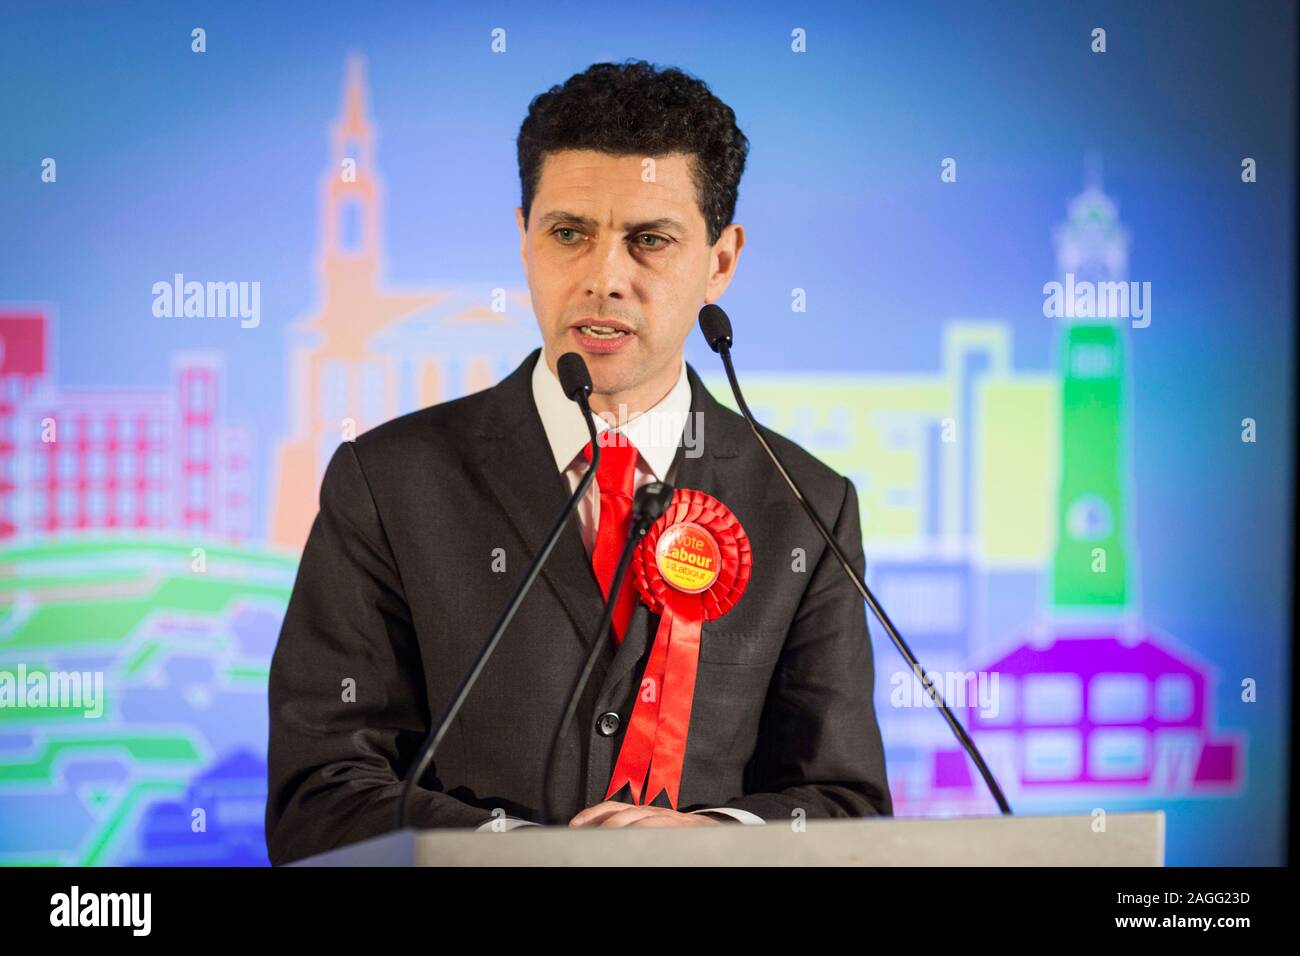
x=692 y=566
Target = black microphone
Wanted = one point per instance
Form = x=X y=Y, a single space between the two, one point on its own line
x=576 y=383
x=717 y=332
x=575 y=380
x=651 y=500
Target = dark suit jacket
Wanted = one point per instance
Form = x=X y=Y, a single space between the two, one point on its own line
x=396 y=592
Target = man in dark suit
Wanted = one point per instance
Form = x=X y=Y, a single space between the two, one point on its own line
x=428 y=522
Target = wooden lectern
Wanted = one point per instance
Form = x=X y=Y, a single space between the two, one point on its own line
x=1129 y=839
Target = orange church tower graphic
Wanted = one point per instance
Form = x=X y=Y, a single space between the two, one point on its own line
x=368 y=354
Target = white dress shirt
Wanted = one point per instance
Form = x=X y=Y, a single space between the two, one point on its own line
x=655 y=434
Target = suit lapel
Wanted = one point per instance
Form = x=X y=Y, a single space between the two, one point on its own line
x=516 y=464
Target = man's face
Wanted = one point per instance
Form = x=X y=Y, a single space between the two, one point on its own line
x=618 y=262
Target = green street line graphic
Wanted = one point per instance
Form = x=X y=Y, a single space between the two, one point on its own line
x=113 y=828
x=177 y=750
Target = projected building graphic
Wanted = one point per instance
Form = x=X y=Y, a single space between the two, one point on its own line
x=86 y=460
x=1093 y=699
x=368 y=354
x=1091 y=560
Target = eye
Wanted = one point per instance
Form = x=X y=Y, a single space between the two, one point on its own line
x=660 y=241
x=566 y=234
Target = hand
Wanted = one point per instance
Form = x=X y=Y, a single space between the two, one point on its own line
x=612 y=813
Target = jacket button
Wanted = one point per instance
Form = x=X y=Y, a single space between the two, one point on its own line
x=607 y=723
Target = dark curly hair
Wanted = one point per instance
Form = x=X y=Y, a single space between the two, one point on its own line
x=632 y=108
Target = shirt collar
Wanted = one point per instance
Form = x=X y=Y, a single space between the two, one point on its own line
x=655 y=433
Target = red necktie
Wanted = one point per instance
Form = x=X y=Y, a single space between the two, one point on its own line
x=616 y=478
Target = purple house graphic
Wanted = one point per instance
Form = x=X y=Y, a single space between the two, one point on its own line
x=1097 y=711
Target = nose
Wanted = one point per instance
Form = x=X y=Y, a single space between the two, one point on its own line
x=609 y=268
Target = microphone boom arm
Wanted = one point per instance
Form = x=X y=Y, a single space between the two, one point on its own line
x=723 y=349
x=430 y=745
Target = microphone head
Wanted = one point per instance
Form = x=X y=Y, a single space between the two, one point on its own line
x=716 y=327
x=650 y=502
x=573 y=375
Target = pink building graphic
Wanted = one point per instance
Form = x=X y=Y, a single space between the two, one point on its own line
x=23 y=363
x=1095 y=711
x=103 y=460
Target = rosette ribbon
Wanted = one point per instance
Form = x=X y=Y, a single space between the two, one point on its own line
x=692 y=566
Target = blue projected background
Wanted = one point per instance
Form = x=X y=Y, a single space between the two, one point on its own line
x=1091 y=508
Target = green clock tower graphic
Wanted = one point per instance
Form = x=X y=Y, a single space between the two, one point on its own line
x=1090 y=566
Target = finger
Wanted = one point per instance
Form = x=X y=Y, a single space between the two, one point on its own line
x=628 y=817
x=585 y=814
x=594 y=814
x=663 y=820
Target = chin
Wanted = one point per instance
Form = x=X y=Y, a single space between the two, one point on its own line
x=609 y=380
x=611 y=384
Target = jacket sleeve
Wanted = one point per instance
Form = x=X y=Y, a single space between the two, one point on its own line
x=348 y=706
x=819 y=750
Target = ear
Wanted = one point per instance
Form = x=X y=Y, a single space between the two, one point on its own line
x=723 y=260
x=523 y=236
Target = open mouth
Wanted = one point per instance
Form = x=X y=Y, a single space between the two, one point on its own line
x=602 y=336
x=601 y=331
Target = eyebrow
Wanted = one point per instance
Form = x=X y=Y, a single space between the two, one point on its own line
x=663 y=222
